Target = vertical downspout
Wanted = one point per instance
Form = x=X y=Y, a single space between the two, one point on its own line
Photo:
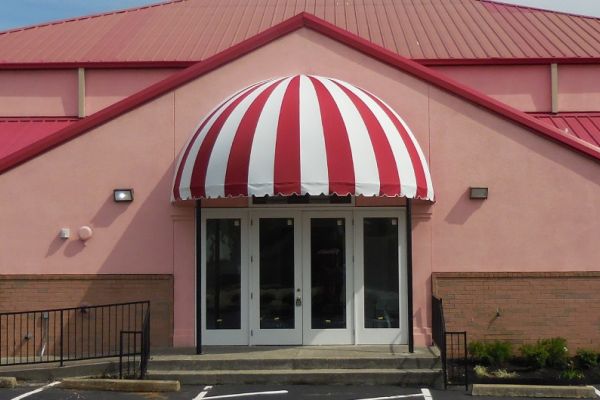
x=81 y=92
x=198 y=279
x=554 y=87
x=411 y=339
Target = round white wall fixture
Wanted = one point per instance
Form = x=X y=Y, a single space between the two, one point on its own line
x=85 y=233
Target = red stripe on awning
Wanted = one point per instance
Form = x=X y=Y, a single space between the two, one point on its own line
x=339 y=153
x=287 y=147
x=236 y=177
x=386 y=164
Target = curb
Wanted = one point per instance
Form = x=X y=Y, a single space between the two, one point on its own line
x=8 y=382
x=120 y=385
x=575 y=392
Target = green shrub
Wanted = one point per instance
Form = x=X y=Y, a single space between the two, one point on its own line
x=571 y=374
x=477 y=350
x=491 y=353
x=534 y=355
x=558 y=354
x=546 y=353
x=586 y=359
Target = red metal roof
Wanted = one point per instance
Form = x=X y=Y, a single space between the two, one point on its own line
x=19 y=133
x=303 y=20
x=193 y=30
x=585 y=126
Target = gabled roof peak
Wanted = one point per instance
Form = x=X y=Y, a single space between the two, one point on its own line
x=309 y=21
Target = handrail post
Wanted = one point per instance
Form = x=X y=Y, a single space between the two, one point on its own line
x=121 y=355
x=61 y=338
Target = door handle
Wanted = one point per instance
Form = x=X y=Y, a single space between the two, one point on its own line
x=298 y=301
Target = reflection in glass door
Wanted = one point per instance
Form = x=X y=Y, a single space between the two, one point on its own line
x=380 y=278
x=224 y=278
x=327 y=284
x=276 y=301
x=328 y=273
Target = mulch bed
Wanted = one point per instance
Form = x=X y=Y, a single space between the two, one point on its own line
x=529 y=376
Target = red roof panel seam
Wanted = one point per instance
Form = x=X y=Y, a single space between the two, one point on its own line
x=381 y=27
x=461 y=27
x=518 y=31
x=500 y=29
x=441 y=40
x=549 y=32
x=525 y=27
x=596 y=122
x=424 y=44
x=589 y=29
x=482 y=32
x=398 y=24
x=564 y=26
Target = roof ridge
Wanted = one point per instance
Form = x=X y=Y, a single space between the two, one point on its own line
x=285 y=27
x=90 y=16
x=502 y=3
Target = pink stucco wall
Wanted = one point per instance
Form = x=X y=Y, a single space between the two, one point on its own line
x=579 y=88
x=38 y=93
x=525 y=87
x=541 y=213
x=104 y=87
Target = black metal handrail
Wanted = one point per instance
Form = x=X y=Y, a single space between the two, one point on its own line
x=452 y=346
x=134 y=357
x=69 y=334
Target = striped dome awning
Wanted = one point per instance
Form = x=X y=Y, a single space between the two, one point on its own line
x=302 y=134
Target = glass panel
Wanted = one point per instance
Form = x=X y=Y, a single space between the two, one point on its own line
x=223 y=274
x=276 y=242
x=328 y=273
x=382 y=297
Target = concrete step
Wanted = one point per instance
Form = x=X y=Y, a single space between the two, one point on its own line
x=402 y=377
x=181 y=363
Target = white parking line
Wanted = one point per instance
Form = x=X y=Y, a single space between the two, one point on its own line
x=597 y=392
x=226 y=396
x=35 y=391
x=400 y=396
x=426 y=394
x=203 y=393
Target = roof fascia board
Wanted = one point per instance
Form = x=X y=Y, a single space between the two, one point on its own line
x=267 y=36
x=185 y=64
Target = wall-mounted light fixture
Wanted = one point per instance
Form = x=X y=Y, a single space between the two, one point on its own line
x=478 y=193
x=64 y=233
x=123 y=195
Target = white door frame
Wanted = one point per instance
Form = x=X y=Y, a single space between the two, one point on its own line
x=380 y=335
x=355 y=331
x=227 y=336
x=260 y=336
x=327 y=336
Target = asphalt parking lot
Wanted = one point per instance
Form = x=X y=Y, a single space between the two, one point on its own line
x=267 y=392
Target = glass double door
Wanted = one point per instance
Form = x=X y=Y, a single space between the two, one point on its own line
x=290 y=277
x=301 y=278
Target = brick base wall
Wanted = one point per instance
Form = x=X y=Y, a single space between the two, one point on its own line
x=38 y=292
x=530 y=306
